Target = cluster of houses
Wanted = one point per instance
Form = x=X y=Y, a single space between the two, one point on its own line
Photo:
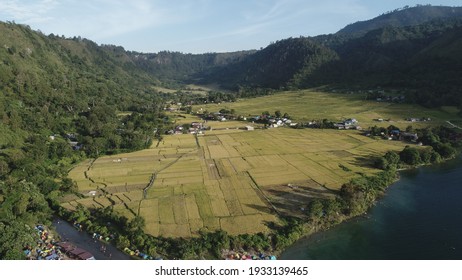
x=424 y=119
x=403 y=136
x=395 y=134
x=388 y=98
x=222 y=117
x=348 y=124
x=272 y=122
x=193 y=128
x=278 y=122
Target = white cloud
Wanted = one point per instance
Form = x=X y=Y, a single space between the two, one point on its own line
x=28 y=12
x=97 y=19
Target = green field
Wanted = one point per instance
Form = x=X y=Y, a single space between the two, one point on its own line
x=238 y=180
x=307 y=105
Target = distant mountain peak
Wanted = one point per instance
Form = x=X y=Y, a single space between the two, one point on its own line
x=407 y=16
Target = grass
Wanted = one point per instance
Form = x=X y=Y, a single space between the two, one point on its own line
x=234 y=180
x=307 y=105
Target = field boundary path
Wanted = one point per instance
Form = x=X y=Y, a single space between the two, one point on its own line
x=92 y=180
x=154 y=175
x=262 y=194
x=453 y=125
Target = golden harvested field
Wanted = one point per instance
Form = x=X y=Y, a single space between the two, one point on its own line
x=239 y=180
x=228 y=179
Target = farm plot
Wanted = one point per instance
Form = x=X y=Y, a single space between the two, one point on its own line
x=325 y=159
x=229 y=181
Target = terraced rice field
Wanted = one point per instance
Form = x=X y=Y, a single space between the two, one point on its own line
x=235 y=180
x=239 y=180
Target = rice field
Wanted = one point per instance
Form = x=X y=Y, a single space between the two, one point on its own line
x=238 y=180
x=226 y=179
x=307 y=105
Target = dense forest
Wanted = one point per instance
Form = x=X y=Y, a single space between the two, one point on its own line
x=422 y=60
x=63 y=100
x=58 y=104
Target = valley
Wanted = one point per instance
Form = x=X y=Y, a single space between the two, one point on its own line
x=239 y=181
x=190 y=156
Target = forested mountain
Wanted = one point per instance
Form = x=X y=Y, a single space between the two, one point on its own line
x=272 y=67
x=179 y=67
x=422 y=59
x=59 y=97
x=425 y=60
x=402 y=17
x=59 y=100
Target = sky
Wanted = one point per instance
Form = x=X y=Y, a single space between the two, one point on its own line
x=195 y=26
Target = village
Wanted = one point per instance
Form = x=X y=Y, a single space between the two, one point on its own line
x=268 y=121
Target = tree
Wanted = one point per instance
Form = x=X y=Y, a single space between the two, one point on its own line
x=278 y=114
x=136 y=224
x=15 y=235
x=68 y=185
x=410 y=156
x=425 y=155
x=4 y=168
x=332 y=207
x=381 y=163
x=80 y=214
x=445 y=150
x=122 y=241
x=392 y=159
x=315 y=209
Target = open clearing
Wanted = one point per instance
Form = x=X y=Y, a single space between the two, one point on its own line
x=307 y=105
x=236 y=180
x=231 y=181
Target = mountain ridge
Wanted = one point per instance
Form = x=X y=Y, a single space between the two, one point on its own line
x=407 y=16
x=355 y=54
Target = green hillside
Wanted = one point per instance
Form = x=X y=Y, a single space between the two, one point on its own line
x=422 y=60
x=66 y=100
x=402 y=17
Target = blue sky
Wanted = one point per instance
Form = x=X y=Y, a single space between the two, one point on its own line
x=195 y=26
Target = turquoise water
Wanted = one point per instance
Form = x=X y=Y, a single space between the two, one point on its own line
x=419 y=218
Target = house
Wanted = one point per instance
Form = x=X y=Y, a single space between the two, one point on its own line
x=348 y=122
x=340 y=125
x=196 y=125
x=395 y=134
x=412 y=137
x=75 y=145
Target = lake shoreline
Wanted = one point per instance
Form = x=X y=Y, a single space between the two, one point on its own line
x=320 y=234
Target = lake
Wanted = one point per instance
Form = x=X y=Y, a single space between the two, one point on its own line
x=420 y=217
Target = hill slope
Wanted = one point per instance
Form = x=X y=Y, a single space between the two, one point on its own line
x=401 y=18
x=391 y=56
x=274 y=66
